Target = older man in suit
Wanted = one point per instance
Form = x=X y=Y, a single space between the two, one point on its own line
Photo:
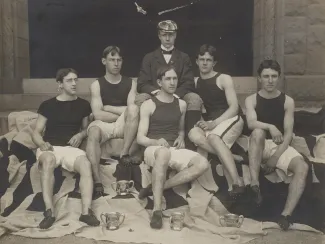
x=167 y=54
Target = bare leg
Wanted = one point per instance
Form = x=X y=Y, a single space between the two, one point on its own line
x=162 y=156
x=197 y=135
x=225 y=157
x=131 y=128
x=197 y=166
x=299 y=168
x=83 y=167
x=94 y=151
x=255 y=152
x=47 y=163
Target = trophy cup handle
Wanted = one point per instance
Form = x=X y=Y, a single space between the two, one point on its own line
x=222 y=221
x=131 y=183
x=105 y=219
x=121 y=218
x=240 y=220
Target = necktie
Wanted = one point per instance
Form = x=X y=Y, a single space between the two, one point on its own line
x=167 y=52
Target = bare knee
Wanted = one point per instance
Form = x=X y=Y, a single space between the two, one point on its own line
x=94 y=134
x=214 y=139
x=202 y=164
x=196 y=136
x=193 y=101
x=83 y=166
x=47 y=162
x=257 y=136
x=162 y=155
x=301 y=168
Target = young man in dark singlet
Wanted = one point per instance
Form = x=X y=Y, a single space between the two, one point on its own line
x=270 y=116
x=167 y=54
x=116 y=115
x=64 y=119
x=161 y=131
x=221 y=125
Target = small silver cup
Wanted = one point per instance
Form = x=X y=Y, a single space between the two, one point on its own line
x=112 y=220
x=176 y=221
x=231 y=220
x=123 y=187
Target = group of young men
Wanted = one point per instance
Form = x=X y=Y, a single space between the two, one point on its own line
x=163 y=113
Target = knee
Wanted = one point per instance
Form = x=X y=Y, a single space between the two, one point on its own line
x=94 y=134
x=258 y=135
x=163 y=156
x=47 y=163
x=196 y=136
x=212 y=138
x=85 y=166
x=302 y=169
x=193 y=101
x=202 y=164
x=132 y=111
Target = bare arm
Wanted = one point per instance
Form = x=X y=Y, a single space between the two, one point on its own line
x=289 y=107
x=145 y=112
x=132 y=93
x=251 y=115
x=97 y=105
x=183 y=106
x=227 y=85
x=38 y=131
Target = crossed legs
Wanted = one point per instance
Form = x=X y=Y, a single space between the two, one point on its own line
x=215 y=145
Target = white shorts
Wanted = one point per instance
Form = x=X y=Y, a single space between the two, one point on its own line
x=180 y=158
x=110 y=130
x=228 y=130
x=65 y=156
x=285 y=158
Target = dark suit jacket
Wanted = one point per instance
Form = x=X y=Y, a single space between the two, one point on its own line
x=147 y=80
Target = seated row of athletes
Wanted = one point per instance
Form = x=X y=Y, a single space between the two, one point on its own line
x=161 y=113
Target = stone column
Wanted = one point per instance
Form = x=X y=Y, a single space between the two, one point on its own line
x=14 y=45
x=268 y=33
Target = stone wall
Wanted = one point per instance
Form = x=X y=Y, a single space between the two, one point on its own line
x=14 y=45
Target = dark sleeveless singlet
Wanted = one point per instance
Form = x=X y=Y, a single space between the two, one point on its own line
x=214 y=99
x=271 y=111
x=115 y=94
x=164 y=122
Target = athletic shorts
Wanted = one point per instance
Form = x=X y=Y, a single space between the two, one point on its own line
x=228 y=130
x=110 y=130
x=180 y=158
x=65 y=156
x=285 y=158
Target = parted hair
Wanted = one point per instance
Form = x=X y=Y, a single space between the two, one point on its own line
x=269 y=64
x=63 y=73
x=161 y=71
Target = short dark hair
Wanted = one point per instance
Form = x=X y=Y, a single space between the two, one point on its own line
x=269 y=64
x=63 y=73
x=161 y=71
x=207 y=48
x=113 y=50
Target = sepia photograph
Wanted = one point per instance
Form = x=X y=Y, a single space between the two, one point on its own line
x=162 y=121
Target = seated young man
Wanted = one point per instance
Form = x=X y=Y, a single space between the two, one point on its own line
x=270 y=116
x=64 y=119
x=221 y=125
x=161 y=131
x=116 y=115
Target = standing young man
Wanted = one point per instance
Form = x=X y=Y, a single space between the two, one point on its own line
x=64 y=119
x=167 y=54
x=270 y=116
x=221 y=125
x=161 y=131
x=116 y=115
